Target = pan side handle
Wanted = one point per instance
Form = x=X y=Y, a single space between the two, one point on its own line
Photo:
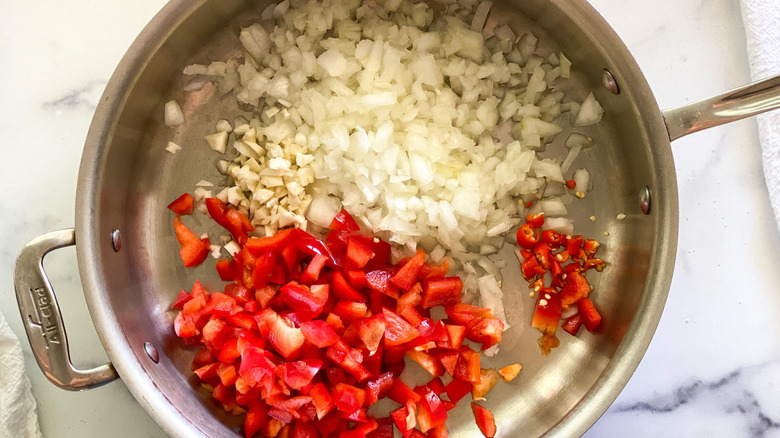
x=42 y=318
x=747 y=101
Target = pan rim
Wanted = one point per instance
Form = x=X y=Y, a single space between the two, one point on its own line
x=576 y=422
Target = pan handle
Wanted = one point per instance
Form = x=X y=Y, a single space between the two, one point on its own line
x=42 y=318
x=747 y=101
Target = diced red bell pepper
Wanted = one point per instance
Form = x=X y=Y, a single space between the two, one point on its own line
x=371 y=330
x=256 y=419
x=244 y=320
x=427 y=361
x=527 y=236
x=225 y=270
x=572 y=324
x=437 y=386
x=304 y=429
x=350 y=311
x=344 y=222
x=328 y=425
x=463 y=314
x=298 y=374
x=227 y=374
x=229 y=352
x=449 y=359
x=575 y=288
x=358 y=254
x=487 y=332
x=548 y=312
x=311 y=246
x=430 y=411
x=377 y=387
x=313 y=269
x=283 y=337
x=400 y=393
x=183 y=205
x=485 y=421
x=434 y=271
x=384 y=429
x=235 y=223
x=319 y=333
x=356 y=278
x=180 y=300
x=380 y=248
x=214 y=333
x=343 y=290
x=306 y=301
x=379 y=281
x=208 y=373
x=403 y=421
x=397 y=330
x=193 y=250
x=590 y=316
x=457 y=389
x=263 y=270
x=467 y=368
x=441 y=292
x=340 y=354
x=202 y=357
x=220 y=304
x=348 y=398
x=276 y=242
x=438 y=432
x=407 y=275
x=456 y=334
x=321 y=399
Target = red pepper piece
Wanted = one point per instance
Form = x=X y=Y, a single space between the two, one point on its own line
x=463 y=314
x=467 y=369
x=264 y=267
x=449 y=359
x=543 y=256
x=456 y=334
x=304 y=429
x=356 y=278
x=340 y=354
x=575 y=287
x=548 y=312
x=358 y=254
x=321 y=399
x=183 y=205
x=298 y=374
x=193 y=250
x=487 y=332
x=590 y=316
x=308 y=302
x=400 y=417
x=427 y=361
x=319 y=333
x=378 y=281
x=573 y=245
x=208 y=373
x=590 y=247
x=572 y=324
x=430 y=411
x=553 y=238
x=402 y=394
x=397 y=330
x=437 y=386
x=377 y=387
x=384 y=429
x=349 y=311
x=485 y=421
x=180 y=300
x=230 y=219
x=256 y=419
x=407 y=275
x=527 y=236
x=286 y=339
x=531 y=268
x=435 y=271
x=371 y=330
x=343 y=290
x=535 y=220
x=344 y=222
x=441 y=292
x=313 y=269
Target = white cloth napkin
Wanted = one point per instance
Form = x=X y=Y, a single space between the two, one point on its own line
x=18 y=412
x=762 y=28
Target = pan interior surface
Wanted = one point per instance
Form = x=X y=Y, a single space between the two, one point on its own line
x=127 y=179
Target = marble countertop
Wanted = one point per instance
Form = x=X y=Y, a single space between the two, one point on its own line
x=713 y=367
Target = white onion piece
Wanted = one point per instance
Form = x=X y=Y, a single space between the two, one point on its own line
x=590 y=112
x=565 y=66
x=577 y=139
x=173 y=114
x=172 y=148
x=570 y=157
x=218 y=141
x=552 y=207
x=480 y=16
x=582 y=180
x=491 y=297
x=232 y=248
x=322 y=210
x=559 y=224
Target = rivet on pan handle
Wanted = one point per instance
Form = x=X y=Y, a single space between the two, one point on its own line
x=43 y=320
x=731 y=106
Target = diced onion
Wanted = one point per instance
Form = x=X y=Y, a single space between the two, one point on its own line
x=173 y=114
x=590 y=112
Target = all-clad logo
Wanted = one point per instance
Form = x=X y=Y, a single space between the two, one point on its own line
x=45 y=313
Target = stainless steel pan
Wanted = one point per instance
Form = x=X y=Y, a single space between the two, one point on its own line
x=130 y=269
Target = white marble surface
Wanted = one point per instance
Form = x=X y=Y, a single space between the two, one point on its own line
x=713 y=367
